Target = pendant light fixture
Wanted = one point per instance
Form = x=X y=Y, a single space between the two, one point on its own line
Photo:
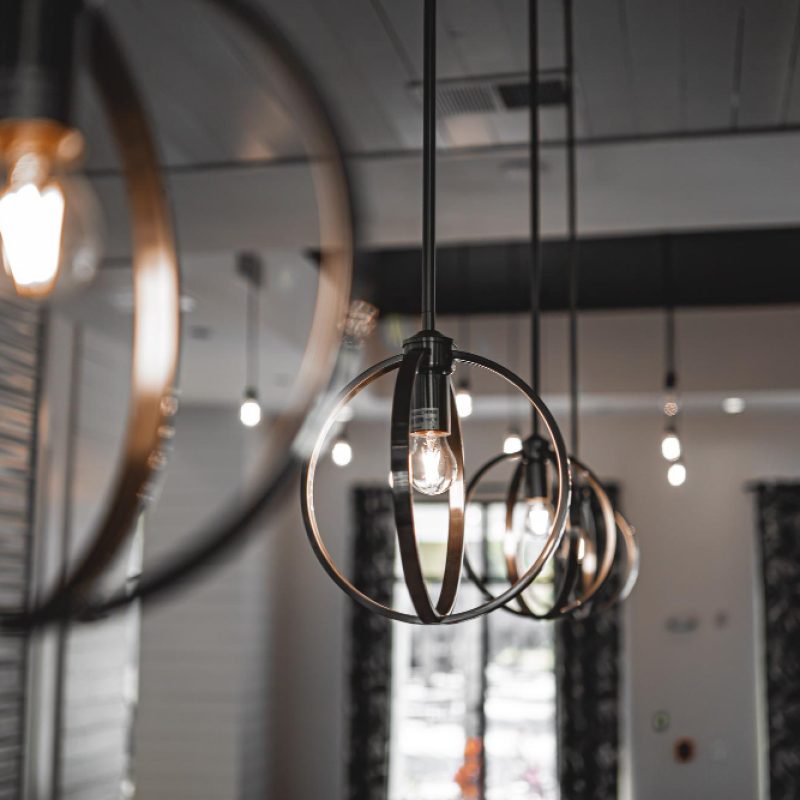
x=38 y=148
x=426 y=446
x=588 y=552
x=671 y=445
x=250 y=269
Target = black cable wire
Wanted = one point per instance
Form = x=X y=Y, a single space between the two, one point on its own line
x=572 y=227
x=429 y=170
x=535 y=249
x=671 y=378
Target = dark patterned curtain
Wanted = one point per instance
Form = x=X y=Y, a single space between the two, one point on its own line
x=371 y=643
x=779 y=543
x=588 y=675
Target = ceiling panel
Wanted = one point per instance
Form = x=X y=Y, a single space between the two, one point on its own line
x=655 y=46
x=601 y=71
x=770 y=30
x=708 y=51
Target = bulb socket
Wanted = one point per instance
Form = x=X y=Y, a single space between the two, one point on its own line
x=430 y=405
x=37 y=47
x=537 y=477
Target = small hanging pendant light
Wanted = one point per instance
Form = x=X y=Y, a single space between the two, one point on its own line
x=587 y=557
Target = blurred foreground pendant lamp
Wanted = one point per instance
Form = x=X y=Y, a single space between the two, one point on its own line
x=426 y=445
x=50 y=245
x=671 y=446
x=586 y=557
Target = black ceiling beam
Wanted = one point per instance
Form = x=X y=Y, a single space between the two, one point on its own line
x=721 y=268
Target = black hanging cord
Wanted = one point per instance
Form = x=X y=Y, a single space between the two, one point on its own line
x=572 y=226
x=253 y=308
x=670 y=380
x=535 y=253
x=250 y=269
x=429 y=171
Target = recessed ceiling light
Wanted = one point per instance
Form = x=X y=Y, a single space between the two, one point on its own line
x=733 y=405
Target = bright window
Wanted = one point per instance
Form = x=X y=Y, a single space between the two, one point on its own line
x=445 y=704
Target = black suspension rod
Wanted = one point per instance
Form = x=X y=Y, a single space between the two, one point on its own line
x=535 y=254
x=671 y=380
x=429 y=171
x=572 y=226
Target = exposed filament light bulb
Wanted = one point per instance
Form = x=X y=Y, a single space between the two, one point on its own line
x=342 y=452
x=671 y=446
x=31 y=225
x=512 y=443
x=433 y=464
x=676 y=474
x=250 y=410
x=538 y=517
x=49 y=220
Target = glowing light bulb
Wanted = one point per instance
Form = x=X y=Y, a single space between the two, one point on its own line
x=512 y=443
x=250 y=410
x=538 y=517
x=49 y=227
x=671 y=446
x=433 y=465
x=676 y=474
x=31 y=223
x=341 y=452
x=464 y=401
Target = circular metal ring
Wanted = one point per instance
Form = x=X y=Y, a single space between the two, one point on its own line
x=562 y=605
x=631 y=570
x=289 y=443
x=156 y=323
x=357 y=385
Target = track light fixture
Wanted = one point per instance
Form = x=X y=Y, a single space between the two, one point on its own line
x=426 y=447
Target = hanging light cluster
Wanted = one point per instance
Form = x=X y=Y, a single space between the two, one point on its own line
x=586 y=558
x=427 y=453
x=251 y=271
x=50 y=245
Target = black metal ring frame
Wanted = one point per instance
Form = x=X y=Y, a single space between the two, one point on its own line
x=562 y=605
x=400 y=473
x=288 y=446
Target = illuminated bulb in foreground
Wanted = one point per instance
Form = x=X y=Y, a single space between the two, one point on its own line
x=676 y=474
x=464 y=401
x=512 y=443
x=341 y=452
x=31 y=222
x=433 y=465
x=671 y=446
x=538 y=517
x=49 y=225
x=250 y=410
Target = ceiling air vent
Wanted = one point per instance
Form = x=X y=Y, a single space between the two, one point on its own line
x=488 y=94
